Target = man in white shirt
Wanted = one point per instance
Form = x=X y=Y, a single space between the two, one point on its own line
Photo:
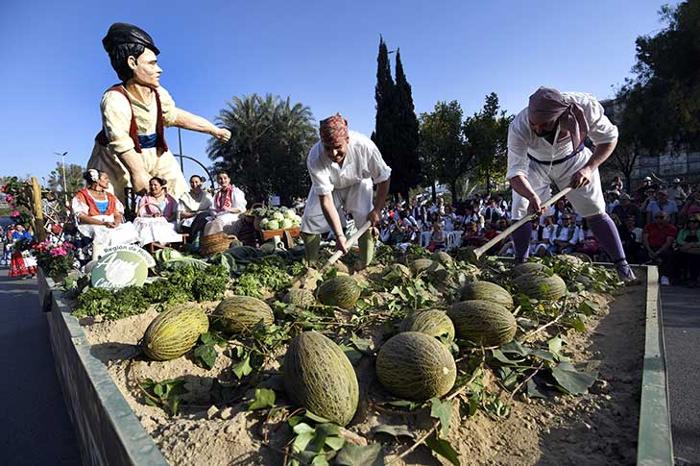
x=545 y=145
x=344 y=165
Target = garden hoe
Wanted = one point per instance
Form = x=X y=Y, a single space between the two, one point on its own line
x=474 y=254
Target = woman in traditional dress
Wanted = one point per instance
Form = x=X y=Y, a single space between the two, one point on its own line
x=194 y=208
x=100 y=215
x=229 y=204
x=157 y=214
x=22 y=263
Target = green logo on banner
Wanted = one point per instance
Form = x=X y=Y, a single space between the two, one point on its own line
x=118 y=269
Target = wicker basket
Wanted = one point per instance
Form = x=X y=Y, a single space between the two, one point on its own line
x=218 y=242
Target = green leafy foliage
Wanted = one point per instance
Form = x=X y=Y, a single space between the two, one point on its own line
x=443 y=448
x=315 y=440
x=264 y=398
x=165 y=394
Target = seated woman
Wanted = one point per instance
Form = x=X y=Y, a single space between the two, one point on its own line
x=437 y=238
x=193 y=208
x=157 y=214
x=22 y=263
x=100 y=215
x=229 y=204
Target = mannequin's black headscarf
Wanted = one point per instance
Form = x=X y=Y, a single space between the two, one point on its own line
x=125 y=40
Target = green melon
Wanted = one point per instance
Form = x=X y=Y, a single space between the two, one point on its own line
x=239 y=314
x=300 y=297
x=433 y=322
x=342 y=291
x=173 y=333
x=443 y=258
x=318 y=376
x=421 y=265
x=486 y=291
x=529 y=267
x=541 y=286
x=483 y=322
x=415 y=366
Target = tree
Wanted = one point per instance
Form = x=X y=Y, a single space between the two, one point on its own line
x=396 y=124
x=441 y=148
x=74 y=178
x=667 y=83
x=270 y=139
x=406 y=170
x=486 y=135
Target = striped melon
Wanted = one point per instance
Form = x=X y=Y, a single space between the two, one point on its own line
x=415 y=366
x=486 y=291
x=541 y=286
x=300 y=297
x=239 y=314
x=318 y=376
x=173 y=333
x=342 y=291
x=421 y=265
x=483 y=322
x=529 y=267
x=443 y=258
x=433 y=322
x=431 y=270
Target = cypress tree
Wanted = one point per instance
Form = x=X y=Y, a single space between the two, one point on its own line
x=407 y=171
x=384 y=95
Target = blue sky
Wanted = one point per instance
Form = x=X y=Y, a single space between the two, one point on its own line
x=323 y=54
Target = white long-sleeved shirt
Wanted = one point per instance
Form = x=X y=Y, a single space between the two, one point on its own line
x=362 y=160
x=522 y=140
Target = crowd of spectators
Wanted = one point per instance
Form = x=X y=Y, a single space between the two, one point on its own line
x=658 y=224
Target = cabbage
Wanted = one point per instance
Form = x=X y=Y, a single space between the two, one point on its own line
x=290 y=214
x=286 y=223
x=273 y=225
x=278 y=216
x=264 y=222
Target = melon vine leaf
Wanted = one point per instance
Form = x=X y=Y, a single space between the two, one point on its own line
x=395 y=431
x=571 y=381
x=264 y=398
x=443 y=448
x=441 y=410
x=359 y=455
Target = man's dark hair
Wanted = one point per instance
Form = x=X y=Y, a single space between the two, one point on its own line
x=125 y=40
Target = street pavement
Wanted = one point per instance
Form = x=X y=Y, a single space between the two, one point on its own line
x=681 y=308
x=34 y=425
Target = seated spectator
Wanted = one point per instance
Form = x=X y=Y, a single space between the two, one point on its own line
x=612 y=199
x=691 y=207
x=631 y=237
x=99 y=215
x=616 y=184
x=492 y=212
x=157 y=215
x=646 y=189
x=661 y=203
x=561 y=209
x=676 y=192
x=587 y=242
x=626 y=208
x=229 y=204
x=566 y=236
x=688 y=253
x=193 y=208
x=541 y=234
x=437 y=238
x=658 y=239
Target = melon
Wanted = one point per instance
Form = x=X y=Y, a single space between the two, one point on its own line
x=432 y=322
x=486 y=291
x=432 y=270
x=541 y=286
x=342 y=291
x=529 y=267
x=443 y=258
x=415 y=366
x=300 y=297
x=421 y=265
x=239 y=314
x=483 y=322
x=318 y=376
x=173 y=333
x=396 y=273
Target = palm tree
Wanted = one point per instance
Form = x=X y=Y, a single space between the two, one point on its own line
x=270 y=138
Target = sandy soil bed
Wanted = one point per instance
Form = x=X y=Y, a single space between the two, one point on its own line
x=597 y=428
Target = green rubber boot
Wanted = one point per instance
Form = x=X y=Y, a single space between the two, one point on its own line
x=312 y=247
